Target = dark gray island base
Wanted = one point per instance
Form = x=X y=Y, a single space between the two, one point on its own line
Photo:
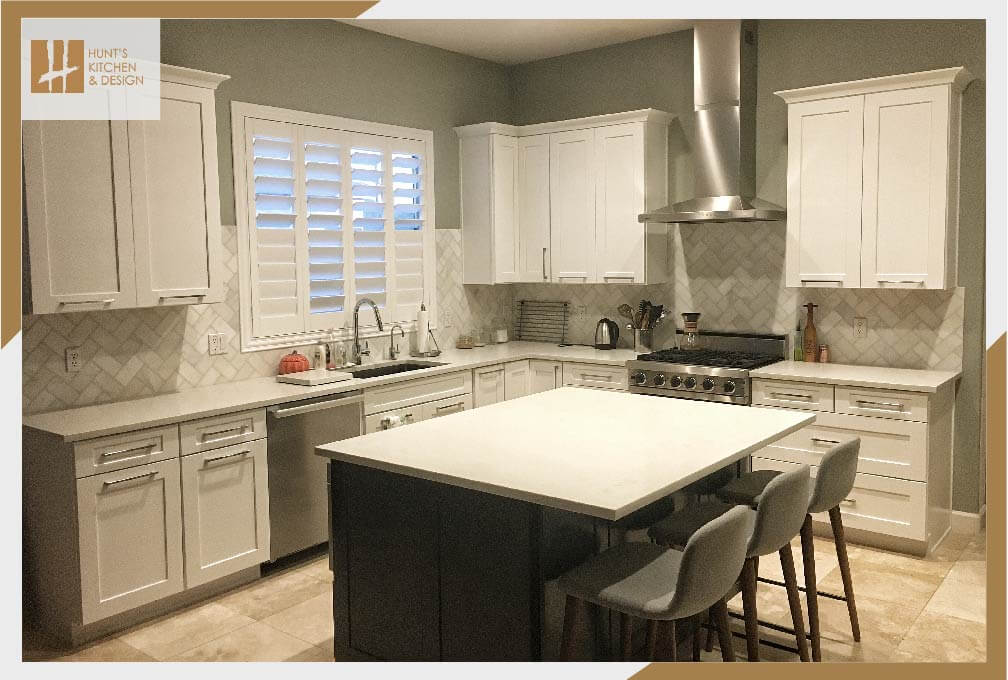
x=425 y=571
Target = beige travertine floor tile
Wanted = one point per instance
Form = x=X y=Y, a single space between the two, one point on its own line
x=318 y=569
x=971 y=568
x=256 y=642
x=178 y=632
x=112 y=649
x=770 y=566
x=311 y=621
x=936 y=564
x=891 y=584
x=960 y=599
x=934 y=637
x=274 y=593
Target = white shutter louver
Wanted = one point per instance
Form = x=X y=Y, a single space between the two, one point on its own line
x=408 y=220
x=368 y=169
x=323 y=189
x=273 y=215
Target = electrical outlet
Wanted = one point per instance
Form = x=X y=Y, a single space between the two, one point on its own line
x=580 y=312
x=74 y=362
x=215 y=343
x=860 y=327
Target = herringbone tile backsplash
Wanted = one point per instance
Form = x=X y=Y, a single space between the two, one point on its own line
x=732 y=273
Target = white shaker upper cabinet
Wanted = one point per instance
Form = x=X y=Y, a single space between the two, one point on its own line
x=505 y=207
x=873 y=181
x=488 y=164
x=905 y=241
x=176 y=200
x=619 y=198
x=572 y=206
x=533 y=208
x=825 y=146
x=80 y=232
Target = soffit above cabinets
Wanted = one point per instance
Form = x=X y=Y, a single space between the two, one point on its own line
x=518 y=41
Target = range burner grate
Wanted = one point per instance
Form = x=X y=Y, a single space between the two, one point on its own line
x=710 y=357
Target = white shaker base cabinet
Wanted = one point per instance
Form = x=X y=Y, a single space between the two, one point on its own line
x=225 y=511
x=130 y=532
x=488 y=385
x=516 y=379
x=544 y=375
x=873 y=182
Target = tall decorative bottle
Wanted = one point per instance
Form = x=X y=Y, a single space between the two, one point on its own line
x=810 y=343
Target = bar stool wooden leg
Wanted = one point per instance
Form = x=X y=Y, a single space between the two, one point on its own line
x=709 y=646
x=652 y=639
x=794 y=600
x=626 y=636
x=669 y=641
x=719 y=614
x=836 y=522
x=573 y=613
x=811 y=595
x=697 y=627
x=748 y=582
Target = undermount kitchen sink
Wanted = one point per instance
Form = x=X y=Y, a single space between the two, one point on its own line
x=391 y=369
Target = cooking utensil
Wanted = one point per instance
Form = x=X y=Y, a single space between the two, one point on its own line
x=626 y=311
x=606 y=334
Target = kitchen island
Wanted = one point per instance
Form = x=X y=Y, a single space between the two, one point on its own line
x=446 y=536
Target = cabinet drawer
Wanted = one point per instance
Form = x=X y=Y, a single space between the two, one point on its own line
x=894 y=507
x=798 y=395
x=217 y=431
x=891 y=448
x=407 y=415
x=595 y=375
x=118 y=451
x=444 y=407
x=417 y=391
x=864 y=401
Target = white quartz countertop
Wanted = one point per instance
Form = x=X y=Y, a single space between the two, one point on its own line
x=103 y=419
x=909 y=379
x=598 y=453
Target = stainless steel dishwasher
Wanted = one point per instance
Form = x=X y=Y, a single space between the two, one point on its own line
x=298 y=496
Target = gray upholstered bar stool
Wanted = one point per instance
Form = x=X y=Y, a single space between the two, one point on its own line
x=832 y=485
x=780 y=512
x=661 y=585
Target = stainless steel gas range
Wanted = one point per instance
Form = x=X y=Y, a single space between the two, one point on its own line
x=719 y=371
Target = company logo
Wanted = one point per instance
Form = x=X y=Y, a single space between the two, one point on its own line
x=57 y=66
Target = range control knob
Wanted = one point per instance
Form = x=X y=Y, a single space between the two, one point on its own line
x=675 y=381
x=708 y=384
x=659 y=379
x=729 y=386
x=690 y=382
x=639 y=378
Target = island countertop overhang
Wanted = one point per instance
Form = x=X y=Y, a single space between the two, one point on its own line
x=602 y=454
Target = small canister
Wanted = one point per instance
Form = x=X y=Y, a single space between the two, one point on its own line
x=823 y=354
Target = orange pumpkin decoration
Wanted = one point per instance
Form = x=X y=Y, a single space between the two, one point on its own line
x=294 y=363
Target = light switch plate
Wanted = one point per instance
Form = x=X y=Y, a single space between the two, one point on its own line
x=860 y=327
x=74 y=362
x=215 y=343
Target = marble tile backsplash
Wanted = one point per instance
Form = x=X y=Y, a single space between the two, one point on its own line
x=732 y=273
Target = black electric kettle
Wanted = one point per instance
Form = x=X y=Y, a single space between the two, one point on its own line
x=606 y=334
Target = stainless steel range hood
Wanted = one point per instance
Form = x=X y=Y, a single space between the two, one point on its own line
x=724 y=147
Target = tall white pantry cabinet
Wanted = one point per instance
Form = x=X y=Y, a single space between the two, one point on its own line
x=873 y=182
x=558 y=202
x=127 y=213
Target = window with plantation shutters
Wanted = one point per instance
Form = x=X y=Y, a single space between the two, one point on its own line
x=330 y=211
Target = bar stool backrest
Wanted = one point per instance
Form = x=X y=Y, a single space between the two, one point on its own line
x=711 y=562
x=780 y=512
x=836 y=476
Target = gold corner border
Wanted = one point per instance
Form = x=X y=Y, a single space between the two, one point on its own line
x=11 y=13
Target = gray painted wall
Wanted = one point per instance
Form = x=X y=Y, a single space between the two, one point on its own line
x=657 y=72
x=332 y=68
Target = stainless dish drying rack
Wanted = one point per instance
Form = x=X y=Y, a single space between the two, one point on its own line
x=542 y=321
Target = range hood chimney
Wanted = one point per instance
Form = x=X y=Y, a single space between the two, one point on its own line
x=724 y=99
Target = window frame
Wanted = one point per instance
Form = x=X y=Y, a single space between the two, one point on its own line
x=241 y=112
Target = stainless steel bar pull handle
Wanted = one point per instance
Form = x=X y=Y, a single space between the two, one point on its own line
x=110 y=482
x=212 y=435
x=544 y=264
x=886 y=405
x=119 y=452
x=820 y=440
x=105 y=301
x=448 y=406
x=792 y=395
x=225 y=456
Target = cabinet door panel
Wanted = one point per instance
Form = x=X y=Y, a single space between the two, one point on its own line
x=619 y=199
x=225 y=511
x=534 y=208
x=446 y=407
x=516 y=379
x=544 y=375
x=80 y=232
x=130 y=528
x=906 y=168
x=572 y=206
x=505 y=208
x=825 y=145
x=176 y=210
x=488 y=386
